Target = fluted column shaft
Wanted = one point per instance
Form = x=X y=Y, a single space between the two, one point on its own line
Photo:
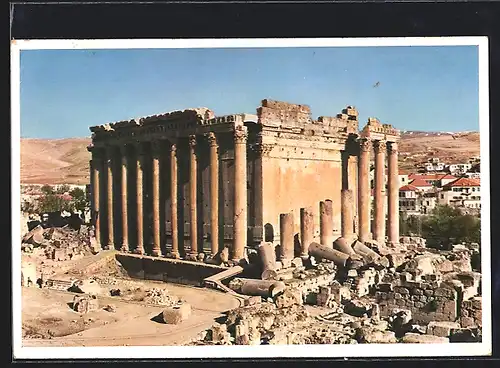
x=364 y=189
x=140 y=201
x=173 y=201
x=124 y=201
x=214 y=193
x=353 y=186
x=96 y=164
x=193 y=219
x=109 y=163
x=156 y=151
x=393 y=200
x=379 y=195
x=240 y=193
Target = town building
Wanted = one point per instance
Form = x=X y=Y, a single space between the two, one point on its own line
x=462 y=192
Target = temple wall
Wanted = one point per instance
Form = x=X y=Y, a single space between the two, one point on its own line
x=295 y=182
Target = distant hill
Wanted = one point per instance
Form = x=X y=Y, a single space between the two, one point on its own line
x=449 y=147
x=54 y=161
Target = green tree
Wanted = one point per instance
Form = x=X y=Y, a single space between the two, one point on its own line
x=446 y=225
x=53 y=203
x=79 y=199
x=47 y=189
x=63 y=189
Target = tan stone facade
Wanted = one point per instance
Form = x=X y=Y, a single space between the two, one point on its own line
x=187 y=182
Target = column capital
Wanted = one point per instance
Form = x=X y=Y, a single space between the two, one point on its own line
x=380 y=146
x=192 y=141
x=124 y=150
x=156 y=147
x=212 y=139
x=97 y=152
x=365 y=145
x=393 y=147
x=140 y=149
x=240 y=134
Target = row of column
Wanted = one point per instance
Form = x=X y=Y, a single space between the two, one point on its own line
x=364 y=192
x=240 y=195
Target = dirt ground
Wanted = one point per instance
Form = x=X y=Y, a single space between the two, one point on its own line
x=48 y=319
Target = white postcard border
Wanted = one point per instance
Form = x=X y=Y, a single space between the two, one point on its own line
x=306 y=351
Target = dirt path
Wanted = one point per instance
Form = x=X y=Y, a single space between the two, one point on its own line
x=131 y=325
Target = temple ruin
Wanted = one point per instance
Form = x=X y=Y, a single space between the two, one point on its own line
x=188 y=182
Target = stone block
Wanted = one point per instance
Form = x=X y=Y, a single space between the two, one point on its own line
x=441 y=328
x=85 y=303
x=414 y=338
x=177 y=313
x=467 y=322
x=253 y=300
x=445 y=292
x=417 y=292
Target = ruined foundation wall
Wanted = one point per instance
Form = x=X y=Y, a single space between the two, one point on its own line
x=427 y=301
x=162 y=269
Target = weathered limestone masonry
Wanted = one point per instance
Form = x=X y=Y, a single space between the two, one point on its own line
x=188 y=184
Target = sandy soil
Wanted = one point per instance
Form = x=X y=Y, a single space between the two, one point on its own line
x=47 y=313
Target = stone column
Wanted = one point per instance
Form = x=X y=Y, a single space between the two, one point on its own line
x=347 y=207
x=193 y=219
x=393 y=203
x=109 y=163
x=364 y=189
x=156 y=153
x=214 y=193
x=326 y=223
x=140 y=200
x=124 y=202
x=240 y=193
x=173 y=200
x=353 y=185
x=286 y=238
x=96 y=164
x=306 y=230
x=379 y=195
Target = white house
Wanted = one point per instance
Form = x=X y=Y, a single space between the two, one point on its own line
x=427 y=202
x=409 y=199
x=459 y=169
x=462 y=192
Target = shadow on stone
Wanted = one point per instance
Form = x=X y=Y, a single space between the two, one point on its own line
x=158 y=318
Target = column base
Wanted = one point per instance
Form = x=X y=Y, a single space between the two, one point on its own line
x=393 y=244
x=139 y=251
x=174 y=255
x=156 y=253
x=286 y=263
x=108 y=246
x=192 y=256
x=124 y=248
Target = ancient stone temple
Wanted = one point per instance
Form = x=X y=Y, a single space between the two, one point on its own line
x=185 y=182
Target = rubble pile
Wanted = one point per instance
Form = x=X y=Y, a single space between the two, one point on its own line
x=59 y=244
x=160 y=297
x=375 y=294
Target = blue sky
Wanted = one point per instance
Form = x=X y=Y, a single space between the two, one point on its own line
x=63 y=92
